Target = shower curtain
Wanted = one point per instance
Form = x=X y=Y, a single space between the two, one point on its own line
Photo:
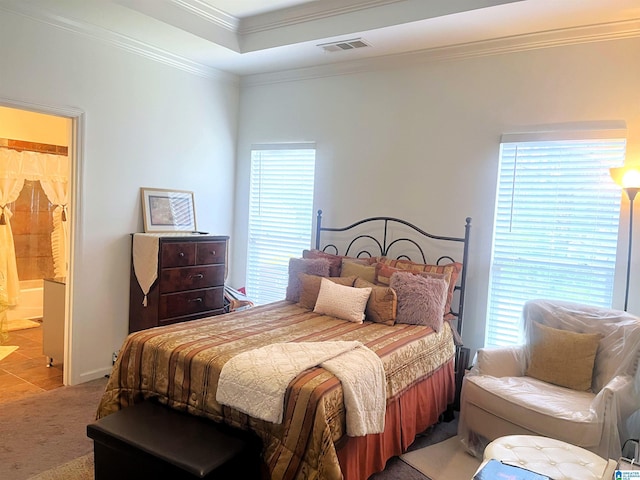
x=52 y=171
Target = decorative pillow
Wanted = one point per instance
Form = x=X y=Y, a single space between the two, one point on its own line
x=382 y=304
x=355 y=267
x=562 y=357
x=310 y=287
x=347 y=303
x=313 y=266
x=335 y=260
x=386 y=267
x=421 y=300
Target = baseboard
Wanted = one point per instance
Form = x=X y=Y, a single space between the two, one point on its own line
x=92 y=375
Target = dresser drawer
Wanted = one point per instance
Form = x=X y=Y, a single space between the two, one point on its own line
x=178 y=254
x=189 y=303
x=190 y=278
x=190 y=273
x=210 y=252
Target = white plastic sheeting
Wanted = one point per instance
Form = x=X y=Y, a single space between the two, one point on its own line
x=498 y=390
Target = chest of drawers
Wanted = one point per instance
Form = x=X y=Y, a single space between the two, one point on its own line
x=190 y=282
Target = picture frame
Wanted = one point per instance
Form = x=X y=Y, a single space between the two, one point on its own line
x=166 y=210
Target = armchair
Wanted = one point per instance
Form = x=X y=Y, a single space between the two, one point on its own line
x=505 y=392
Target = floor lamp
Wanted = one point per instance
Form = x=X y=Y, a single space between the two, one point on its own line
x=629 y=179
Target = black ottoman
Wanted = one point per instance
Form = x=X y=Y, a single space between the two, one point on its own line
x=149 y=440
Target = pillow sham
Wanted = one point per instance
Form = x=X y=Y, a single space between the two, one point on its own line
x=421 y=300
x=346 y=303
x=310 y=287
x=314 y=266
x=562 y=357
x=359 y=269
x=382 y=304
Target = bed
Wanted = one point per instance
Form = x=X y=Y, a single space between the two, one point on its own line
x=180 y=365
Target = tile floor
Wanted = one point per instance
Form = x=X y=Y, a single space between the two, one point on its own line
x=24 y=372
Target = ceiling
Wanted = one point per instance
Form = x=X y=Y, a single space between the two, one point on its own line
x=249 y=37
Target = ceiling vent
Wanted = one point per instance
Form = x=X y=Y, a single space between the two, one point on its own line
x=344 y=45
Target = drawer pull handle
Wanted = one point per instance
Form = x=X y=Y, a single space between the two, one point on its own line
x=212 y=252
x=198 y=276
x=181 y=254
x=199 y=299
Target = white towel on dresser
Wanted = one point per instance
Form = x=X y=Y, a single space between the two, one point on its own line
x=145 y=261
x=255 y=382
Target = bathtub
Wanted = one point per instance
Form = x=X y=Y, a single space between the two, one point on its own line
x=29 y=302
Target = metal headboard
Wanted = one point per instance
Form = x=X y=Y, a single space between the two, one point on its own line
x=384 y=245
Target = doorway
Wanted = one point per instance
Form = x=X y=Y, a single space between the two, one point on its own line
x=34 y=347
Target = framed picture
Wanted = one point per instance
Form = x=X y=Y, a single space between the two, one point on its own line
x=168 y=210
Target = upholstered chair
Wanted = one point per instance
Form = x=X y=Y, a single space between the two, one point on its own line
x=575 y=379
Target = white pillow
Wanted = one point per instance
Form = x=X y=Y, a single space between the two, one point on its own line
x=347 y=303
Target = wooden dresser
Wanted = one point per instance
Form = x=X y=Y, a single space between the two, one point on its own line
x=189 y=284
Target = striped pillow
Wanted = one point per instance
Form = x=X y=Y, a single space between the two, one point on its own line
x=387 y=267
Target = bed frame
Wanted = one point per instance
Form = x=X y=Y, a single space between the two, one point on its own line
x=376 y=236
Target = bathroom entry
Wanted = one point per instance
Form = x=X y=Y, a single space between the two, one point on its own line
x=34 y=236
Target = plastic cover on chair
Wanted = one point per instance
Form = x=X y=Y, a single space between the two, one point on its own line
x=612 y=407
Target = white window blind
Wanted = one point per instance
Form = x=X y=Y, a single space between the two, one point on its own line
x=555 y=228
x=280 y=215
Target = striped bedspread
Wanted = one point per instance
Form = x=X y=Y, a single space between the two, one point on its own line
x=179 y=365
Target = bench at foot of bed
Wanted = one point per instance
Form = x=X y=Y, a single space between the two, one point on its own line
x=149 y=440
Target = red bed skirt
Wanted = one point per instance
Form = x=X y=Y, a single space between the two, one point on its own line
x=414 y=411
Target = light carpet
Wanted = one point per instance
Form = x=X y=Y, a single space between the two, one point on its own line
x=5 y=351
x=21 y=324
x=443 y=461
x=80 y=468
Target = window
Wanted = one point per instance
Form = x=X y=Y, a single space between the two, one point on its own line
x=280 y=215
x=555 y=228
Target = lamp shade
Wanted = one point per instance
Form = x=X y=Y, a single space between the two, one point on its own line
x=627 y=176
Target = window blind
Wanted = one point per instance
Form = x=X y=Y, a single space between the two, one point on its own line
x=555 y=229
x=280 y=215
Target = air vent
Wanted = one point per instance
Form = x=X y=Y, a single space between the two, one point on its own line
x=344 y=45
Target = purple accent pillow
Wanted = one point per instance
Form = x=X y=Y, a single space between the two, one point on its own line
x=311 y=266
x=421 y=300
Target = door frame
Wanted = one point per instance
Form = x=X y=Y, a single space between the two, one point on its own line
x=76 y=157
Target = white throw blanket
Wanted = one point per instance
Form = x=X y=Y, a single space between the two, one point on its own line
x=255 y=382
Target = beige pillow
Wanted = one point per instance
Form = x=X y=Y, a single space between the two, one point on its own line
x=310 y=287
x=382 y=303
x=357 y=268
x=562 y=357
x=347 y=303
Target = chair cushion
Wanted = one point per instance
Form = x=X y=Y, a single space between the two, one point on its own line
x=537 y=406
x=562 y=357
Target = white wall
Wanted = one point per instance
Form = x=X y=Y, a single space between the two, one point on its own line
x=146 y=124
x=422 y=142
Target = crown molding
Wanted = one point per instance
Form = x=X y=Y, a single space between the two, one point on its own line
x=517 y=43
x=513 y=44
x=210 y=14
x=123 y=42
x=306 y=12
